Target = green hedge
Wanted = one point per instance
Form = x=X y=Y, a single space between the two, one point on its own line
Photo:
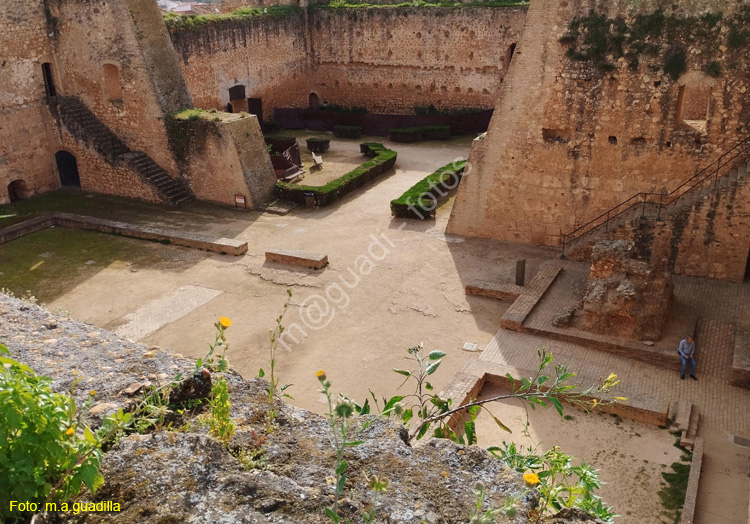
x=415 y=134
x=271 y=127
x=419 y=200
x=383 y=160
x=347 y=131
x=318 y=145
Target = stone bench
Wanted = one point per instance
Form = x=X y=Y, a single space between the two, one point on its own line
x=503 y=292
x=297 y=258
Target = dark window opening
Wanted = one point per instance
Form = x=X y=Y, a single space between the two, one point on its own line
x=255 y=107
x=509 y=55
x=747 y=268
x=67 y=167
x=49 y=82
x=613 y=140
x=237 y=93
x=237 y=99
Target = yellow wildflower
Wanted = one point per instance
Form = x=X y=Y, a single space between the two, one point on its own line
x=595 y=402
x=321 y=375
x=611 y=376
x=225 y=322
x=621 y=398
x=532 y=479
x=70 y=431
x=92 y=392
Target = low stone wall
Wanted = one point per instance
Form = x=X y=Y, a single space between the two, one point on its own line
x=691 y=494
x=216 y=245
x=741 y=362
x=468 y=384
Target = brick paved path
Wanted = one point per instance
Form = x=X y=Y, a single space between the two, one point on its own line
x=721 y=306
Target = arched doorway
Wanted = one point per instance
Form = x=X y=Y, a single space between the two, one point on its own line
x=17 y=191
x=67 y=167
x=314 y=101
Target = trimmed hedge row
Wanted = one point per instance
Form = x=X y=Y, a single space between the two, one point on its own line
x=415 y=134
x=347 y=131
x=318 y=145
x=383 y=160
x=420 y=201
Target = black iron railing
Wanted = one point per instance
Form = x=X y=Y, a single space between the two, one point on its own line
x=655 y=204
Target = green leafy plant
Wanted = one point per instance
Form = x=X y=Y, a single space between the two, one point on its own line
x=47 y=452
x=273 y=382
x=560 y=483
x=431 y=410
x=220 y=343
x=340 y=410
x=484 y=513
x=221 y=424
x=152 y=411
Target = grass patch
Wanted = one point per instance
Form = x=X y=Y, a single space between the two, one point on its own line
x=672 y=493
x=51 y=262
x=177 y=24
x=343 y=4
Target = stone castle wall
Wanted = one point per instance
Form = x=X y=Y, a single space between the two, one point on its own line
x=266 y=55
x=575 y=132
x=99 y=56
x=24 y=143
x=387 y=60
x=391 y=60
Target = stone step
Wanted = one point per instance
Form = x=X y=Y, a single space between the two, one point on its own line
x=684 y=409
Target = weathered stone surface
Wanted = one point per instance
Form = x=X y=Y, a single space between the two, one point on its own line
x=297 y=258
x=564 y=317
x=625 y=297
x=190 y=477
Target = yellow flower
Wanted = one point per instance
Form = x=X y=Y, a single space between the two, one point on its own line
x=225 y=322
x=532 y=479
x=621 y=398
x=595 y=402
x=321 y=375
x=611 y=377
x=70 y=431
x=92 y=392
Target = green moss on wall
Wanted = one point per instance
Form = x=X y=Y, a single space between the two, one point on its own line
x=659 y=40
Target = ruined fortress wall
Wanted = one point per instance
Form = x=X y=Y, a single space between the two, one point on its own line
x=225 y=157
x=574 y=133
x=267 y=55
x=25 y=149
x=387 y=60
x=99 y=56
x=390 y=60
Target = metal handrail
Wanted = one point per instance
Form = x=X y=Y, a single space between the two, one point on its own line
x=664 y=199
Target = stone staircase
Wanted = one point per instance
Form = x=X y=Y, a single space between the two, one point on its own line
x=686 y=420
x=733 y=168
x=88 y=129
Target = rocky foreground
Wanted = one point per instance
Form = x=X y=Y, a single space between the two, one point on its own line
x=187 y=476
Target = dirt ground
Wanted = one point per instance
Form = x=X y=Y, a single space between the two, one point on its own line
x=629 y=455
x=390 y=285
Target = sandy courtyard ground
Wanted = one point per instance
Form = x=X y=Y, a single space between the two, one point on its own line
x=390 y=285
